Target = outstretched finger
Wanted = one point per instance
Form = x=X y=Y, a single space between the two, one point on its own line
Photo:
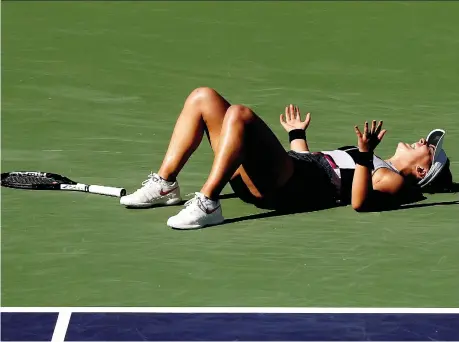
x=357 y=131
x=307 y=120
x=365 y=129
x=287 y=113
x=282 y=119
x=378 y=129
x=381 y=134
x=373 y=126
x=297 y=112
x=292 y=112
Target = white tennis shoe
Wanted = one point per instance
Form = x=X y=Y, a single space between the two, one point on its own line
x=199 y=212
x=154 y=191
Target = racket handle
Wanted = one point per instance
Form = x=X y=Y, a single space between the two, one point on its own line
x=107 y=190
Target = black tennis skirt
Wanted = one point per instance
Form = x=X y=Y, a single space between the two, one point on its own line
x=311 y=186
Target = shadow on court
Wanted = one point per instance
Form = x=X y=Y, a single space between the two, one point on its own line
x=284 y=213
x=409 y=204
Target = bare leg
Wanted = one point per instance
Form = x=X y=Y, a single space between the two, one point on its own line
x=249 y=149
x=243 y=144
x=204 y=109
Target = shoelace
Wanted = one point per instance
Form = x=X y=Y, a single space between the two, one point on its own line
x=193 y=200
x=151 y=178
x=189 y=205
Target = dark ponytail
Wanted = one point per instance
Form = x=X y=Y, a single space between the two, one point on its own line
x=443 y=183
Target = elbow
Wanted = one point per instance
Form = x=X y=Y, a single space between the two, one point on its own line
x=363 y=207
x=358 y=207
x=360 y=201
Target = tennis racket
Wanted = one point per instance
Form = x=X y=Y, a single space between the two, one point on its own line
x=34 y=180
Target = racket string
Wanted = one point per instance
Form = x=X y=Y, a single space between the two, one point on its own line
x=30 y=180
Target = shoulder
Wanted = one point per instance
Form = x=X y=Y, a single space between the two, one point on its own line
x=387 y=181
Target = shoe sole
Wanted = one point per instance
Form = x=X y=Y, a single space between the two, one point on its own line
x=197 y=226
x=157 y=204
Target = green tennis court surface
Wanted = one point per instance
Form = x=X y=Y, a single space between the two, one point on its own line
x=91 y=90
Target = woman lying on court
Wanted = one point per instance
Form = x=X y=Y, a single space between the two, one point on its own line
x=248 y=155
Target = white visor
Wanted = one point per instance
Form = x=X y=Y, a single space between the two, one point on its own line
x=435 y=138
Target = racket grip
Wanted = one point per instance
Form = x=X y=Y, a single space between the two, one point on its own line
x=107 y=190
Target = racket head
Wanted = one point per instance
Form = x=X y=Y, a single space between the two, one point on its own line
x=34 y=180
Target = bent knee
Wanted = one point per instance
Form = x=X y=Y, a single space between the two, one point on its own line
x=202 y=93
x=240 y=113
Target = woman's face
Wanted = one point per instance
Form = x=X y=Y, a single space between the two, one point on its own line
x=418 y=156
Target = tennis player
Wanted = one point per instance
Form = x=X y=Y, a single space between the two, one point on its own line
x=250 y=157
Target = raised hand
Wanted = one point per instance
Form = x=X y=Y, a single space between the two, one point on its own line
x=371 y=137
x=291 y=119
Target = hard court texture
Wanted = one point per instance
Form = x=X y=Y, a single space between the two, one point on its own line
x=91 y=90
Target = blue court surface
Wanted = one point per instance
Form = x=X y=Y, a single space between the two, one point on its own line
x=197 y=325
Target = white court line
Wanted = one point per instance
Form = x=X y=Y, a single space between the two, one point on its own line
x=62 y=324
x=70 y=310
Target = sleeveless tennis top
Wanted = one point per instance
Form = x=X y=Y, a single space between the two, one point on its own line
x=344 y=167
x=344 y=159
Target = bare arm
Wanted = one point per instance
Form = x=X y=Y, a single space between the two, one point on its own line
x=361 y=187
x=369 y=191
x=299 y=145
x=291 y=121
x=377 y=191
